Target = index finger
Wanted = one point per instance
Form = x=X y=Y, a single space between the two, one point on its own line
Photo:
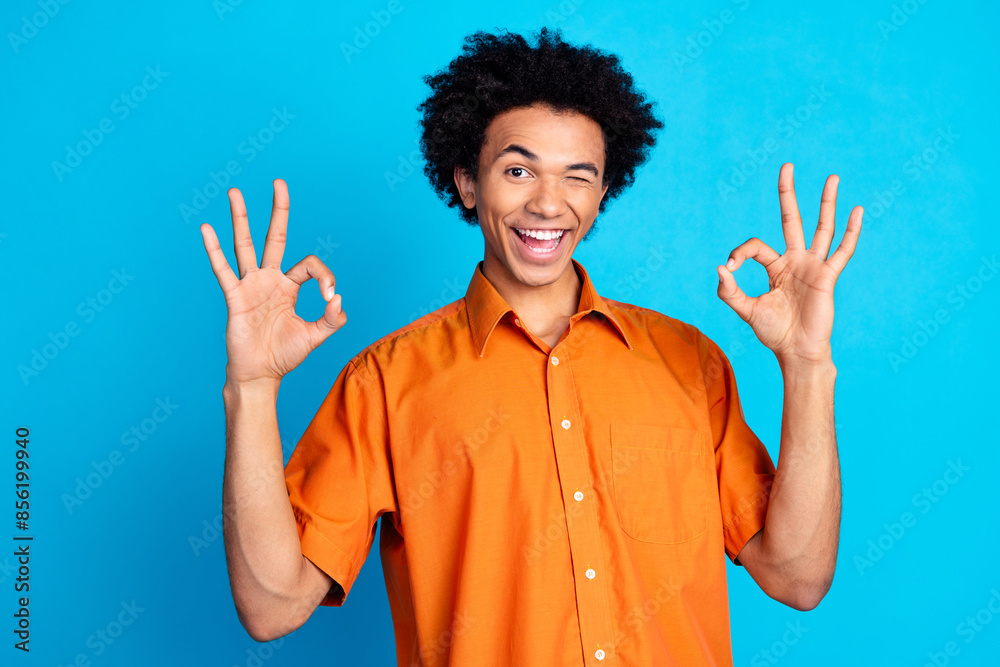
x=791 y=221
x=277 y=231
x=246 y=257
x=220 y=267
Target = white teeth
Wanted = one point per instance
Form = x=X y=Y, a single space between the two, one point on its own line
x=544 y=235
x=539 y=251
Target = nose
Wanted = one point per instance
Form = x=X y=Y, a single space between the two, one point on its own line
x=547 y=198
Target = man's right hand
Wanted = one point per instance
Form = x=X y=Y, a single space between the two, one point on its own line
x=265 y=339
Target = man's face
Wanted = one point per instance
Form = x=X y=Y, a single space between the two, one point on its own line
x=541 y=171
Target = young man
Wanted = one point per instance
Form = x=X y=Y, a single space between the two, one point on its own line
x=558 y=474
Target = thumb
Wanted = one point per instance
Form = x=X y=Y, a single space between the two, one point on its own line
x=732 y=295
x=333 y=318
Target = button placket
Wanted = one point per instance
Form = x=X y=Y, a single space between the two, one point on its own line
x=582 y=527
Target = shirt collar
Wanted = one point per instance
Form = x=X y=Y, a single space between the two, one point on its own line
x=485 y=305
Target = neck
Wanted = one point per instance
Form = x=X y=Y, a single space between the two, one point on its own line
x=542 y=306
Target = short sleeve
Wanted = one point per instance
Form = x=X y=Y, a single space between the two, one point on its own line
x=339 y=479
x=745 y=469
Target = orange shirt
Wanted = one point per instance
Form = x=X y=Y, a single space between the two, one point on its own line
x=540 y=506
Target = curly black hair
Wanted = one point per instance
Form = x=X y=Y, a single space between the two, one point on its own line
x=498 y=72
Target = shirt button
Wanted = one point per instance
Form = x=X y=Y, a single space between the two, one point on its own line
x=555 y=361
x=565 y=423
x=517 y=321
x=578 y=496
x=590 y=573
x=599 y=654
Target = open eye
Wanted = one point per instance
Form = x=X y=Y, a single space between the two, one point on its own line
x=519 y=169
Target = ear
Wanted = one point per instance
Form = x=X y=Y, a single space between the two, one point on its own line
x=466 y=187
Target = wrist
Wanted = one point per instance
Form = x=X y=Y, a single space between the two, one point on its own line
x=816 y=357
x=256 y=389
x=807 y=369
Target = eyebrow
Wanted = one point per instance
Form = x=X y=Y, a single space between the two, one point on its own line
x=517 y=148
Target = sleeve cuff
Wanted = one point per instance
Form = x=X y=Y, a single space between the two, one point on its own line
x=738 y=531
x=329 y=558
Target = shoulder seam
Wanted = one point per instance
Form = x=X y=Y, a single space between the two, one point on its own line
x=408 y=329
x=673 y=321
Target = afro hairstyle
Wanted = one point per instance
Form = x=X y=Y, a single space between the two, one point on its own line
x=498 y=72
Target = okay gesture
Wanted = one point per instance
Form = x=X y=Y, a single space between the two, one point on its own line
x=794 y=319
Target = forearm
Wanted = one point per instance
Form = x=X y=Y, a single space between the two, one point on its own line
x=802 y=525
x=263 y=552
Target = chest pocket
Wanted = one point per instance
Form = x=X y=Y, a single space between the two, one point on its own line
x=662 y=487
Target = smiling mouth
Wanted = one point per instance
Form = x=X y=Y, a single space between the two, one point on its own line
x=541 y=242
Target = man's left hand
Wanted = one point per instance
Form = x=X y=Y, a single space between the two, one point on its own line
x=794 y=319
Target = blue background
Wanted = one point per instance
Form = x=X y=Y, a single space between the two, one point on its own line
x=892 y=87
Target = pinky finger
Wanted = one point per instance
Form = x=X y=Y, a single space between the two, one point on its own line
x=220 y=267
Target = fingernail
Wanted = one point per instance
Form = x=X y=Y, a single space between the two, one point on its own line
x=329 y=293
x=731 y=263
x=336 y=303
